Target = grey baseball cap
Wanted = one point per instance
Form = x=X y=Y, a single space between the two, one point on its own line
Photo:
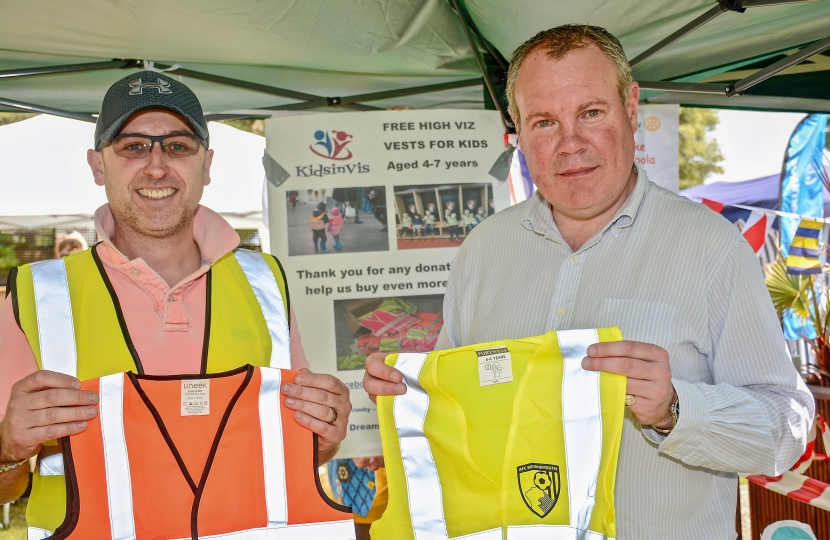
x=147 y=90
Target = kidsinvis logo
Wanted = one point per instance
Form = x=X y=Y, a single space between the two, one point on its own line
x=334 y=147
x=307 y=171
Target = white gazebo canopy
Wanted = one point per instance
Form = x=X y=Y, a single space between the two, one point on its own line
x=45 y=180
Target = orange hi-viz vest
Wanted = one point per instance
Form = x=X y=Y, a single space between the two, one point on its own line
x=237 y=467
x=317 y=222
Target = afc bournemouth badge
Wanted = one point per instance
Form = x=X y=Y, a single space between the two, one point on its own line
x=539 y=485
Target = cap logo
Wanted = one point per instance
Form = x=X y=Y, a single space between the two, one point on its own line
x=137 y=87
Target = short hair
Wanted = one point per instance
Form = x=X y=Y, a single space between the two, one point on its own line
x=559 y=41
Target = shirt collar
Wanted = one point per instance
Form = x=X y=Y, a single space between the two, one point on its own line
x=213 y=235
x=539 y=218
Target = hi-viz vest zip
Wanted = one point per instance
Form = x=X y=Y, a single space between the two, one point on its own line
x=244 y=469
x=428 y=457
x=46 y=315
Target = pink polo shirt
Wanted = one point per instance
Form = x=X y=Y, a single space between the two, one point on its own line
x=166 y=324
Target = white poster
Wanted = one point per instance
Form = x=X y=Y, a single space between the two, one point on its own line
x=366 y=211
x=656 y=143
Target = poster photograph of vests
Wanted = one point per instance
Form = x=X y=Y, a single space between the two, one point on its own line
x=390 y=324
x=336 y=220
x=434 y=216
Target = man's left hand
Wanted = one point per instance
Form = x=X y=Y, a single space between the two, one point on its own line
x=322 y=405
x=649 y=377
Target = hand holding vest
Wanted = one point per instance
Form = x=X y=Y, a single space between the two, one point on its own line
x=509 y=439
x=240 y=467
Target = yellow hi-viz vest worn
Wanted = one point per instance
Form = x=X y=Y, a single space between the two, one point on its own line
x=531 y=458
x=73 y=321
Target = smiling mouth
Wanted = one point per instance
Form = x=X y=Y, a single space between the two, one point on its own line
x=157 y=194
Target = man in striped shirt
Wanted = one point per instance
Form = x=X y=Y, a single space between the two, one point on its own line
x=712 y=390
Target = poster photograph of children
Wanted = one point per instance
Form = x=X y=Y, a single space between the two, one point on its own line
x=391 y=324
x=433 y=216
x=339 y=220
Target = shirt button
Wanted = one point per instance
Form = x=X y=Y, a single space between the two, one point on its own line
x=561 y=311
x=135 y=272
x=574 y=258
x=171 y=299
x=670 y=448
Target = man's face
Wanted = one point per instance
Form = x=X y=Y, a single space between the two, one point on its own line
x=155 y=196
x=577 y=136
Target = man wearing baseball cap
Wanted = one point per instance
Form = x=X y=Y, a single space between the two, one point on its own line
x=175 y=279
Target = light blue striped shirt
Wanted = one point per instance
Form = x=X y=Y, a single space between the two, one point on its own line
x=666 y=271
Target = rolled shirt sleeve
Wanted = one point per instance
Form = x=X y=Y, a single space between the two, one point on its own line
x=755 y=416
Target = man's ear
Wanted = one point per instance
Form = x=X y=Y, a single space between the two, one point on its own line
x=515 y=123
x=96 y=163
x=633 y=105
x=208 y=162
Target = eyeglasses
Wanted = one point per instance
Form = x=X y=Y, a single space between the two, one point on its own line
x=138 y=146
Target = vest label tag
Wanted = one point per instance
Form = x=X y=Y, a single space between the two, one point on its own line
x=195 y=397
x=494 y=366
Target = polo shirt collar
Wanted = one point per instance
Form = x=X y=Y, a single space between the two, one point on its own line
x=213 y=235
x=539 y=218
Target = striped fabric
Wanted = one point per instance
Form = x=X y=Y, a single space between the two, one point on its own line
x=802 y=257
x=671 y=272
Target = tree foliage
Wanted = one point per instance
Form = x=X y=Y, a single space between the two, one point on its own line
x=251 y=125
x=8 y=257
x=699 y=152
x=11 y=118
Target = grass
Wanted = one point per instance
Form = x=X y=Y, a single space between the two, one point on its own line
x=17 y=522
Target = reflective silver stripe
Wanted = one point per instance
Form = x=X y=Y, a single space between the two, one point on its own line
x=55 y=328
x=334 y=530
x=423 y=486
x=268 y=295
x=51 y=465
x=492 y=534
x=37 y=534
x=116 y=462
x=270 y=423
x=582 y=423
x=552 y=532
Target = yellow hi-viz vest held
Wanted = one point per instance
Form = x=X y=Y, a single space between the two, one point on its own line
x=73 y=321
x=532 y=457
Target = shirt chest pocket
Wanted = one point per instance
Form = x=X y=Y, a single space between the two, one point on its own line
x=648 y=322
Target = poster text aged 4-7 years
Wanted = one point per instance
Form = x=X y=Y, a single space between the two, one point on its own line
x=366 y=212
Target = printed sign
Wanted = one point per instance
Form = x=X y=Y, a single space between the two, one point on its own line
x=656 y=144
x=366 y=226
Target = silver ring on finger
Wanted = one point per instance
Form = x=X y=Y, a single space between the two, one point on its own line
x=334 y=417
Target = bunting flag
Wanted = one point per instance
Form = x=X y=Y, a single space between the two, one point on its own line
x=802 y=257
x=753 y=224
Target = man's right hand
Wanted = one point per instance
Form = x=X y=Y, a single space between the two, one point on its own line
x=43 y=406
x=380 y=379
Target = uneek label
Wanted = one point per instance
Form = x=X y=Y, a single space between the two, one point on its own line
x=196 y=397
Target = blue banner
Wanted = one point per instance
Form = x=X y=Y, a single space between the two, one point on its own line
x=802 y=193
